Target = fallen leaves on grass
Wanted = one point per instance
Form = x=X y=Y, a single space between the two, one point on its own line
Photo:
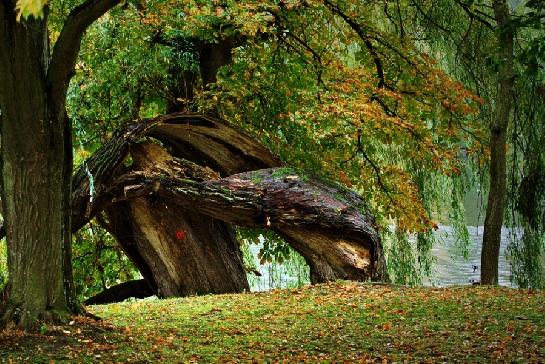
x=336 y=322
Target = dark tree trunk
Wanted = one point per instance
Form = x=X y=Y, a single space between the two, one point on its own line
x=35 y=163
x=122 y=230
x=498 y=138
x=181 y=93
x=120 y=292
x=213 y=56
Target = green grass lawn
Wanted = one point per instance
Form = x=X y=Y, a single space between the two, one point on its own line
x=340 y=322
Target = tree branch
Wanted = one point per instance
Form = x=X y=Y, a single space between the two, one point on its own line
x=376 y=169
x=67 y=46
x=327 y=224
x=335 y=9
x=474 y=15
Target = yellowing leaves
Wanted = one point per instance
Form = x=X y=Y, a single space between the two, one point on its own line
x=26 y=8
x=344 y=179
x=212 y=19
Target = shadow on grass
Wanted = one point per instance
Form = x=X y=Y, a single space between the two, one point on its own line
x=83 y=338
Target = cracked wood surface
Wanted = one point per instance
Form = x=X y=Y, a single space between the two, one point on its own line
x=326 y=223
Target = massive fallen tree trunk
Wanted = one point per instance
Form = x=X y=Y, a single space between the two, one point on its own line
x=327 y=224
x=173 y=218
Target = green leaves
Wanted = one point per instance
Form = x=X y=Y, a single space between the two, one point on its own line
x=98 y=262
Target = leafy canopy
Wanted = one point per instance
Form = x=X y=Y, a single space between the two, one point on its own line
x=335 y=87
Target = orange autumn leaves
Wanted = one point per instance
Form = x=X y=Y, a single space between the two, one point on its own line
x=399 y=130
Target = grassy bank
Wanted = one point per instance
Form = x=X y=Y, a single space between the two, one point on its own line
x=334 y=322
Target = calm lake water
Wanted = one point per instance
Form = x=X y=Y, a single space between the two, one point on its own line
x=450 y=267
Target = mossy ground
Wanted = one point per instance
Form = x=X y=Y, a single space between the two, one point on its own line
x=340 y=322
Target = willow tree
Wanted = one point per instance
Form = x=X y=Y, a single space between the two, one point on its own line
x=37 y=158
x=497 y=194
x=526 y=173
x=493 y=49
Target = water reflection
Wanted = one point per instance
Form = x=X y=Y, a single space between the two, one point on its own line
x=451 y=268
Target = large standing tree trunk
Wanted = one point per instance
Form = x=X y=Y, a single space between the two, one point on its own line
x=498 y=138
x=35 y=163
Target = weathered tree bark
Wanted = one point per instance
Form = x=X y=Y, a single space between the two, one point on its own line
x=33 y=164
x=36 y=163
x=137 y=288
x=123 y=231
x=179 y=264
x=330 y=226
x=100 y=169
x=498 y=138
x=207 y=259
x=195 y=137
x=195 y=254
x=2 y=226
